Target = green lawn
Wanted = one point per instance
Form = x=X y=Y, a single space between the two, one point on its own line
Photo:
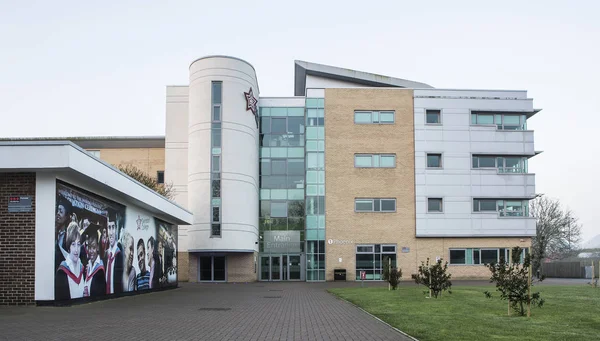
x=569 y=313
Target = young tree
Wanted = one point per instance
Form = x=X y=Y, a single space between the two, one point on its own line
x=557 y=233
x=512 y=281
x=434 y=277
x=391 y=274
x=166 y=190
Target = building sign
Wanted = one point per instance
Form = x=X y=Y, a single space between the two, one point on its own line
x=19 y=204
x=339 y=242
x=252 y=104
x=282 y=241
x=405 y=249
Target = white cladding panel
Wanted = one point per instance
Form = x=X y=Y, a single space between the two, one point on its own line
x=324 y=83
x=239 y=158
x=456 y=182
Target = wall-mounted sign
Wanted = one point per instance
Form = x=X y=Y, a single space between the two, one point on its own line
x=339 y=242
x=18 y=203
x=252 y=104
x=282 y=241
x=405 y=249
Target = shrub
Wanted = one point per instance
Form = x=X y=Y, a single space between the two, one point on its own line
x=434 y=277
x=394 y=277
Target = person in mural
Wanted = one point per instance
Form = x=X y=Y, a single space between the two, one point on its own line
x=155 y=272
x=161 y=263
x=64 y=209
x=69 y=279
x=114 y=258
x=129 y=276
x=143 y=278
x=95 y=280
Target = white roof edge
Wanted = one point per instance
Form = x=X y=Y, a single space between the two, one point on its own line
x=70 y=156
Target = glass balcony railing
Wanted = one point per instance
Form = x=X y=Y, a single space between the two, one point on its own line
x=512 y=170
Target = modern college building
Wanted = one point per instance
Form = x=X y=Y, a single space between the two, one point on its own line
x=353 y=170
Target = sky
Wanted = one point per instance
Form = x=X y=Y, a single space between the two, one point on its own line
x=75 y=68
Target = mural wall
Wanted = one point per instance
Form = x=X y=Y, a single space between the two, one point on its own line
x=103 y=247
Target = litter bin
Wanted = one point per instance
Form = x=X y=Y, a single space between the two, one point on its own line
x=339 y=274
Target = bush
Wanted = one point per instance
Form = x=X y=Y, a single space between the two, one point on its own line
x=512 y=281
x=395 y=277
x=166 y=190
x=434 y=277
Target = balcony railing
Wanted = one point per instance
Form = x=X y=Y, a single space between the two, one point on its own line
x=507 y=213
x=512 y=170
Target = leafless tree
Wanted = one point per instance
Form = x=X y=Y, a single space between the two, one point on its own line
x=558 y=230
x=166 y=190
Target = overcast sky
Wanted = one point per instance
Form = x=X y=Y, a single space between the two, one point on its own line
x=77 y=68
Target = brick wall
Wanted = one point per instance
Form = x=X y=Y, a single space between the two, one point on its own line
x=17 y=242
x=240 y=267
x=193 y=267
x=183 y=266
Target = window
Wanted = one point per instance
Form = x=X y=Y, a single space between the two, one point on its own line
x=433 y=116
x=375 y=205
x=374 y=160
x=482 y=205
x=505 y=208
x=216 y=163
x=458 y=256
x=489 y=256
x=503 y=121
x=160 y=177
x=434 y=205
x=215 y=230
x=279 y=209
x=434 y=160
x=374 y=117
x=372 y=259
x=484 y=161
x=504 y=164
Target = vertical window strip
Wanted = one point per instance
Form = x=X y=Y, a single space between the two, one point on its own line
x=216 y=160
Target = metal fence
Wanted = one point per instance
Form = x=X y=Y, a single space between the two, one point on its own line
x=581 y=269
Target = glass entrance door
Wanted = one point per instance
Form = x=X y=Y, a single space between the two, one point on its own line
x=276 y=268
x=294 y=268
x=281 y=268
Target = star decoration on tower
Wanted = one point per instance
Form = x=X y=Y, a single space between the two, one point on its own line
x=252 y=104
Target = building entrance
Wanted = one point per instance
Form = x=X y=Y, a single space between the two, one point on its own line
x=287 y=267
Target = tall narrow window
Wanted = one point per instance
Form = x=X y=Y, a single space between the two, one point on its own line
x=160 y=177
x=215 y=161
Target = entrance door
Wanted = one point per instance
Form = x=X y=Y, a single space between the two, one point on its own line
x=276 y=268
x=294 y=268
x=211 y=268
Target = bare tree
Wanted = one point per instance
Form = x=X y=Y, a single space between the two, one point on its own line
x=166 y=190
x=558 y=232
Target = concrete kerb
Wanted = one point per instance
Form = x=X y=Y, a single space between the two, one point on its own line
x=373 y=316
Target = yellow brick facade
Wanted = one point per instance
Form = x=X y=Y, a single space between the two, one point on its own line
x=344 y=183
x=150 y=160
x=183 y=266
x=242 y=267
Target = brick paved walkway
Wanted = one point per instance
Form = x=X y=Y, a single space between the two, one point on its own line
x=254 y=311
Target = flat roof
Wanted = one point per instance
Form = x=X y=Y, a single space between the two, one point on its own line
x=101 y=142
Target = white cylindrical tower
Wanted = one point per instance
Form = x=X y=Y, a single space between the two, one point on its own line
x=223 y=183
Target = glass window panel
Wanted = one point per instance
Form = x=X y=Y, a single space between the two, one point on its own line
x=434 y=160
x=296 y=125
x=296 y=208
x=476 y=259
x=312 y=133
x=216 y=163
x=216 y=151
x=312 y=222
x=311 y=206
x=311 y=177
x=388 y=205
x=312 y=234
x=434 y=205
x=216 y=188
x=512 y=120
x=295 y=181
x=278 y=167
x=487 y=205
x=362 y=117
x=296 y=224
x=321 y=177
x=312 y=146
x=386 y=117
x=321 y=189
x=388 y=161
x=311 y=161
x=376 y=161
x=279 y=152
x=265 y=194
x=321 y=146
x=433 y=116
x=487 y=161
x=473 y=118
x=311 y=112
x=216 y=113
x=279 y=112
x=216 y=216
x=216 y=137
x=321 y=159
x=321 y=205
x=321 y=221
x=388 y=249
x=265 y=111
x=265 y=167
x=295 y=166
x=312 y=102
x=458 y=257
x=321 y=102
x=498 y=119
x=295 y=152
x=475 y=160
x=320 y=113
x=512 y=162
x=278 y=126
x=272 y=181
x=377 y=205
x=485 y=119
x=265 y=208
x=375 y=117
x=362 y=160
x=311 y=190
x=295 y=194
x=295 y=112
x=489 y=256
x=321 y=132
x=363 y=205
x=279 y=194
x=265 y=125
x=279 y=209
x=216 y=92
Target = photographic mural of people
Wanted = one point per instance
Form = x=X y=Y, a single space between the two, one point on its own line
x=103 y=247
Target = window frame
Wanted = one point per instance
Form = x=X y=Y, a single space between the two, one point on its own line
x=375 y=113
x=379 y=155
x=373 y=205
x=457 y=249
x=439 y=113
x=434 y=153
x=441 y=199
x=158 y=176
x=499 y=125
